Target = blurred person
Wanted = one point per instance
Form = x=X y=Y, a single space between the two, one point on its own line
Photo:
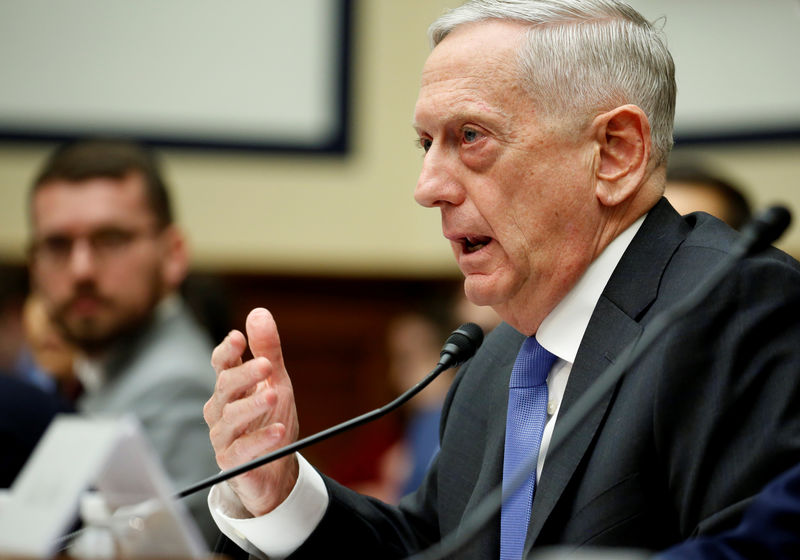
x=13 y=287
x=26 y=408
x=546 y=127
x=414 y=340
x=692 y=188
x=52 y=357
x=16 y=357
x=107 y=260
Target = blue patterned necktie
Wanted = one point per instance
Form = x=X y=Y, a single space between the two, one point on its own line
x=527 y=414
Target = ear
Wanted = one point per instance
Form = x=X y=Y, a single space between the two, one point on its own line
x=623 y=139
x=175 y=256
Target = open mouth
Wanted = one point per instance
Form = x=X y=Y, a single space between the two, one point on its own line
x=474 y=244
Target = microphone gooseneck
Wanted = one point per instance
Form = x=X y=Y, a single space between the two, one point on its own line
x=459 y=347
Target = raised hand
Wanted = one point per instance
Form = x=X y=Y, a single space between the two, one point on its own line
x=252 y=412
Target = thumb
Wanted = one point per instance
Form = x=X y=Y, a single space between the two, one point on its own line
x=262 y=335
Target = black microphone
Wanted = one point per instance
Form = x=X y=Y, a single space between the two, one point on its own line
x=766 y=227
x=460 y=345
x=756 y=236
x=458 y=348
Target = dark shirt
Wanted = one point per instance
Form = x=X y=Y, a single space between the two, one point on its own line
x=25 y=414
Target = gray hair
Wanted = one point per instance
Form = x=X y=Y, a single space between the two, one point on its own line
x=584 y=57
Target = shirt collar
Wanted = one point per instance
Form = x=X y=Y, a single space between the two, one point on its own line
x=562 y=330
x=89 y=372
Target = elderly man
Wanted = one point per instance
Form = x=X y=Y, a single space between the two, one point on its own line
x=107 y=260
x=546 y=127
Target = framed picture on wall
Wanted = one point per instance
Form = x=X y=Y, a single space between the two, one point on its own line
x=244 y=74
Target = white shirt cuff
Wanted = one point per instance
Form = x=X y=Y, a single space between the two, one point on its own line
x=280 y=532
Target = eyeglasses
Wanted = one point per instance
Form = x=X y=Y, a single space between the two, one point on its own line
x=105 y=244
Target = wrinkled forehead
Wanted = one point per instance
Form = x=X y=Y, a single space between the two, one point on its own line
x=474 y=68
x=477 y=49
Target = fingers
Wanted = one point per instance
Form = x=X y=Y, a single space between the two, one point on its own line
x=249 y=425
x=228 y=353
x=262 y=333
x=226 y=356
x=251 y=445
x=238 y=383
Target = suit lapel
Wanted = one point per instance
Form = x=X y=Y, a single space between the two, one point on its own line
x=614 y=324
x=613 y=330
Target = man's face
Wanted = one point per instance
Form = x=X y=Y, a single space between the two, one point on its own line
x=514 y=186
x=98 y=257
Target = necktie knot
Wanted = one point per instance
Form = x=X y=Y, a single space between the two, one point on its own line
x=532 y=365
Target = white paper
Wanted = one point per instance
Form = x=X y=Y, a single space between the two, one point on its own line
x=111 y=457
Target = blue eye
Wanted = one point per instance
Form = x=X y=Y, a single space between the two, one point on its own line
x=471 y=135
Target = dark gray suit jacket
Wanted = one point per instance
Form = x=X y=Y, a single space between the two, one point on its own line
x=679 y=446
x=769 y=528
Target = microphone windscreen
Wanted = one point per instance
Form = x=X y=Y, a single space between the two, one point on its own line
x=768 y=226
x=461 y=344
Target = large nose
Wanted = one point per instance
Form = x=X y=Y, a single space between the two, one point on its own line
x=439 y=182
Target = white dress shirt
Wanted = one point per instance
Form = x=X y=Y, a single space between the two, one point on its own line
x=277 y=534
